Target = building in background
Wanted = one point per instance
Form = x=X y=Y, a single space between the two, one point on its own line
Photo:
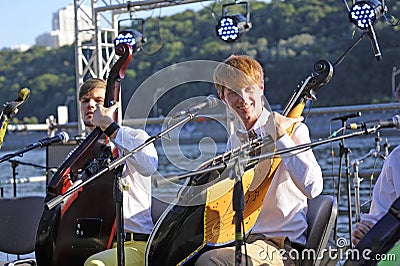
x=20 y=47
x=63 y=26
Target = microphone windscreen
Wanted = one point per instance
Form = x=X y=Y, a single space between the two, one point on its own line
x=65 y=136
x=396 y=120
x=23 y=94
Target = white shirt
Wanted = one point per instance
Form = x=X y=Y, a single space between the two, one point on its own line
x=387 y=187
x=297 y=178
x=137 y=179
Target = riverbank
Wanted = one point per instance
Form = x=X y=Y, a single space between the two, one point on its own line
x=321 y=122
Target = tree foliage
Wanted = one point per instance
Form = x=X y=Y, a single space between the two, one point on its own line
x=287 y=40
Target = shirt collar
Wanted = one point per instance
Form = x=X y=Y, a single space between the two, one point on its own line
x=258 y=125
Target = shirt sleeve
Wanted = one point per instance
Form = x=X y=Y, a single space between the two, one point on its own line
x=144 y=161
x=386 y=189
x=302 y=165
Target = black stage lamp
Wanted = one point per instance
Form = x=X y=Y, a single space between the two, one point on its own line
x=132 y=37
x=365 y=13
x=127 y=34
x=231 y=27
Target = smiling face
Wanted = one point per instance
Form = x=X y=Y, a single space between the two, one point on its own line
x=240 y=84
x=247 y=103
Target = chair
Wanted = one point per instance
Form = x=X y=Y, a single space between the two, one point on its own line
x=379 y=239
x=321 y=216
x=19 y=220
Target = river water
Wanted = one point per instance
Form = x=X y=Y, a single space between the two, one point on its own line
x=188 y=156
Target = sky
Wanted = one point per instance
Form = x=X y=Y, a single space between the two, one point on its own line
x=23 y=20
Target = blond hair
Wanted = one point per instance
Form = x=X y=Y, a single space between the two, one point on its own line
x=241 y=70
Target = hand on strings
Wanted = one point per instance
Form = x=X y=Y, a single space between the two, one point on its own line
x=360 y=230
x=103 y=116
x=282 y=123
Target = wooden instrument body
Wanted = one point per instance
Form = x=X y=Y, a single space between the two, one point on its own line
x=84 y=223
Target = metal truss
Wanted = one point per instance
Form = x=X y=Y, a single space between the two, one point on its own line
x=96 y=25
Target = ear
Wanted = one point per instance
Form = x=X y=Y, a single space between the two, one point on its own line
x=221 y=95
x=262 y=86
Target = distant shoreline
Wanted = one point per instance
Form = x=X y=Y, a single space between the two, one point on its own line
x=320 y=126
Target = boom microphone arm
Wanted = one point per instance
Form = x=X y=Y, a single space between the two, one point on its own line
x=254 y=160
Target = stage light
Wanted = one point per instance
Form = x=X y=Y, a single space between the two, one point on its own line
x=365 y=13
x=231 y=27
x=132 y=37
x=127 y=34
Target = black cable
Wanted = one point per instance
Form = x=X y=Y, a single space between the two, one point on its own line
x=159 y=33
x=270 y=11
x=211 y=9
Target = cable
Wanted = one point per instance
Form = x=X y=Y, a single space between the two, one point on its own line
x=211 y=9
x=270 y=11
x=159 y=33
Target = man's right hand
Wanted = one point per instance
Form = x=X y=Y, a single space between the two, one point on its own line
x=103 y=117
x=282 y=123
x=361 y=229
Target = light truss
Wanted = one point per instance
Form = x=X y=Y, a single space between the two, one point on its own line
x=94 y=58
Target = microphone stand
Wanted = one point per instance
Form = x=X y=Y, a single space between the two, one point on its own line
x=254 y=159
x=224 y=163
x=357 y=179
x=344 y=152
x=238 y=206
x=20 y=152
x=115 y=163
x=119 y=210
x=14 y=165
x=118 y=194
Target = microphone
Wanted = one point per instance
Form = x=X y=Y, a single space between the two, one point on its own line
x=346 y=116
x=392 y=122
x=379 y=10
x=62 y=137
x=11 y=108
x=386 y=146
x=374 y=42
x=210 y=101
x=23 y=94
x=378 y=140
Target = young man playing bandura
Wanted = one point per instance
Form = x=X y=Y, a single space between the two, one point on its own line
x=282 y=220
